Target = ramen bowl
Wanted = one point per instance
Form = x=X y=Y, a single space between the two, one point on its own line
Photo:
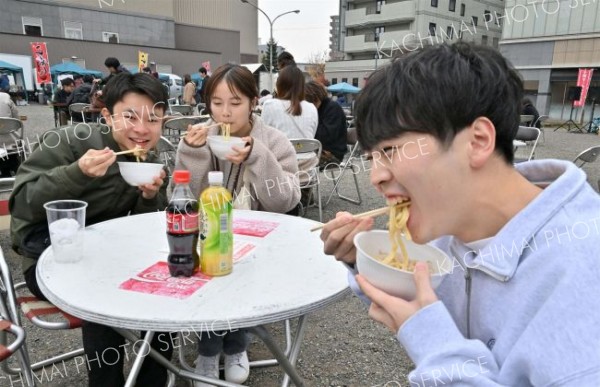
x=222 y=147
x=372 y=246
x=139 y=173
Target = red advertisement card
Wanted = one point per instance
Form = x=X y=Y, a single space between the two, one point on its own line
x=255 y=228
x=157 y=280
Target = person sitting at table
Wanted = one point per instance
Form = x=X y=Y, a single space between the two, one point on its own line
x=80 y=163
x=528 y=109
x=267 y=158
x=82 y=94
x=61 y=100
x=517 y=302
x=7 y=107
x=332 y=129
x=297 y=118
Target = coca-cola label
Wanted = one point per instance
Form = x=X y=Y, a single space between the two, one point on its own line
x=178 y=223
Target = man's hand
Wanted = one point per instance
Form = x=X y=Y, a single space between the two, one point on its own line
x=241 y=154
x=338 y=236
x=393 y=311
x=95 y=163
x=149 y=191
x=196 y=135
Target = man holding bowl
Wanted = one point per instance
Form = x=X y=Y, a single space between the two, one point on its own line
x=519 y=306
x=79 y=162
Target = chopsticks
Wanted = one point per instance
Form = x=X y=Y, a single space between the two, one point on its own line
x=368 y=214
x=205 y=127
x=140 y=150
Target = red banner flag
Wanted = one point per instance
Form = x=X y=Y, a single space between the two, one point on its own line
x=206 y=65
x=583 y=79
x=42 y=65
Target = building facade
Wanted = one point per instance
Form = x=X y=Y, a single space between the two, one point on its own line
x=373 y=31
x=178 y=35
x=548 y=42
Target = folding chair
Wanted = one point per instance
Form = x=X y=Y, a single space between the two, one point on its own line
x=181 y=110
x=530 y=136
x=201 y=108
x=352 y=142
x=78 y=109
x=12 y=149
x=173 y=128
x=166 y=153
x=541 y=120
x=587 y=156
x=34 y=309
x=307 y=148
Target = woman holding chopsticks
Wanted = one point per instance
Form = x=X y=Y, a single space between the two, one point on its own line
x=262 y=175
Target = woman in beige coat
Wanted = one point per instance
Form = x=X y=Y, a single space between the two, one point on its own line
x=189 y=90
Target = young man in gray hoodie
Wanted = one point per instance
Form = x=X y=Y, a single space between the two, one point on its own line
x=520 y=305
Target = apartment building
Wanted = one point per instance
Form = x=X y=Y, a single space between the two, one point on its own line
x=373 y=31
x=335 y=52
x=178 y=35
x=548 y=41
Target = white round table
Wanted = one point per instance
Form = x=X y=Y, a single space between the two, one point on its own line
x=286 y=275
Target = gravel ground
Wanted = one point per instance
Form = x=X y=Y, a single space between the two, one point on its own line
x=342 y=346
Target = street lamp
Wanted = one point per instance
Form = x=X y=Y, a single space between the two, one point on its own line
x=271 y=22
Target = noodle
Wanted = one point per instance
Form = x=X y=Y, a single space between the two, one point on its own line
x=226 y=130
x=397 y=224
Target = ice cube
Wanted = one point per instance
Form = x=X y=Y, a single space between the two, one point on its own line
x=63 y=230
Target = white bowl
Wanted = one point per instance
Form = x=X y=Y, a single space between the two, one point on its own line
x=399 y=283
x=139 y=173
x=223 y=148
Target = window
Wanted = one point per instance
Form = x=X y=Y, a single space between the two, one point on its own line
x=110 y=37
x=432 y=29
x=487 y=16
x=378 y=5
x=450 y=32
x=499 y=19
x=474 y=20
x=333 y=81
x=452 y=6
x=378 y=32
x=78 y=61
x=345 y=80
x=73 y=30
x=484 y=40
x=460 y=34
x=462 y=10
x=495 y=42
x=434 y=3
x=355 y=82
x=32 y=26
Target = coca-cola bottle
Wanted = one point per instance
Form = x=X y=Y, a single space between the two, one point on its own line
x=182 y=227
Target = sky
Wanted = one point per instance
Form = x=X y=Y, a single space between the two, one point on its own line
x=301 y=34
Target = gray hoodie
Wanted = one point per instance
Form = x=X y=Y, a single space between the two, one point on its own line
x=521 y=308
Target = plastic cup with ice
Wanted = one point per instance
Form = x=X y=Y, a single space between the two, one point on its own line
x=66 y=222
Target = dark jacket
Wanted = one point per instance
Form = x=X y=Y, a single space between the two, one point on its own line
x=52 y=173
x=530 y=110
x=331 y=131
x=81 y=94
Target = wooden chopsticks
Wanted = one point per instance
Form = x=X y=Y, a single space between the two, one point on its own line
x=205 y=127
x=368 y=214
